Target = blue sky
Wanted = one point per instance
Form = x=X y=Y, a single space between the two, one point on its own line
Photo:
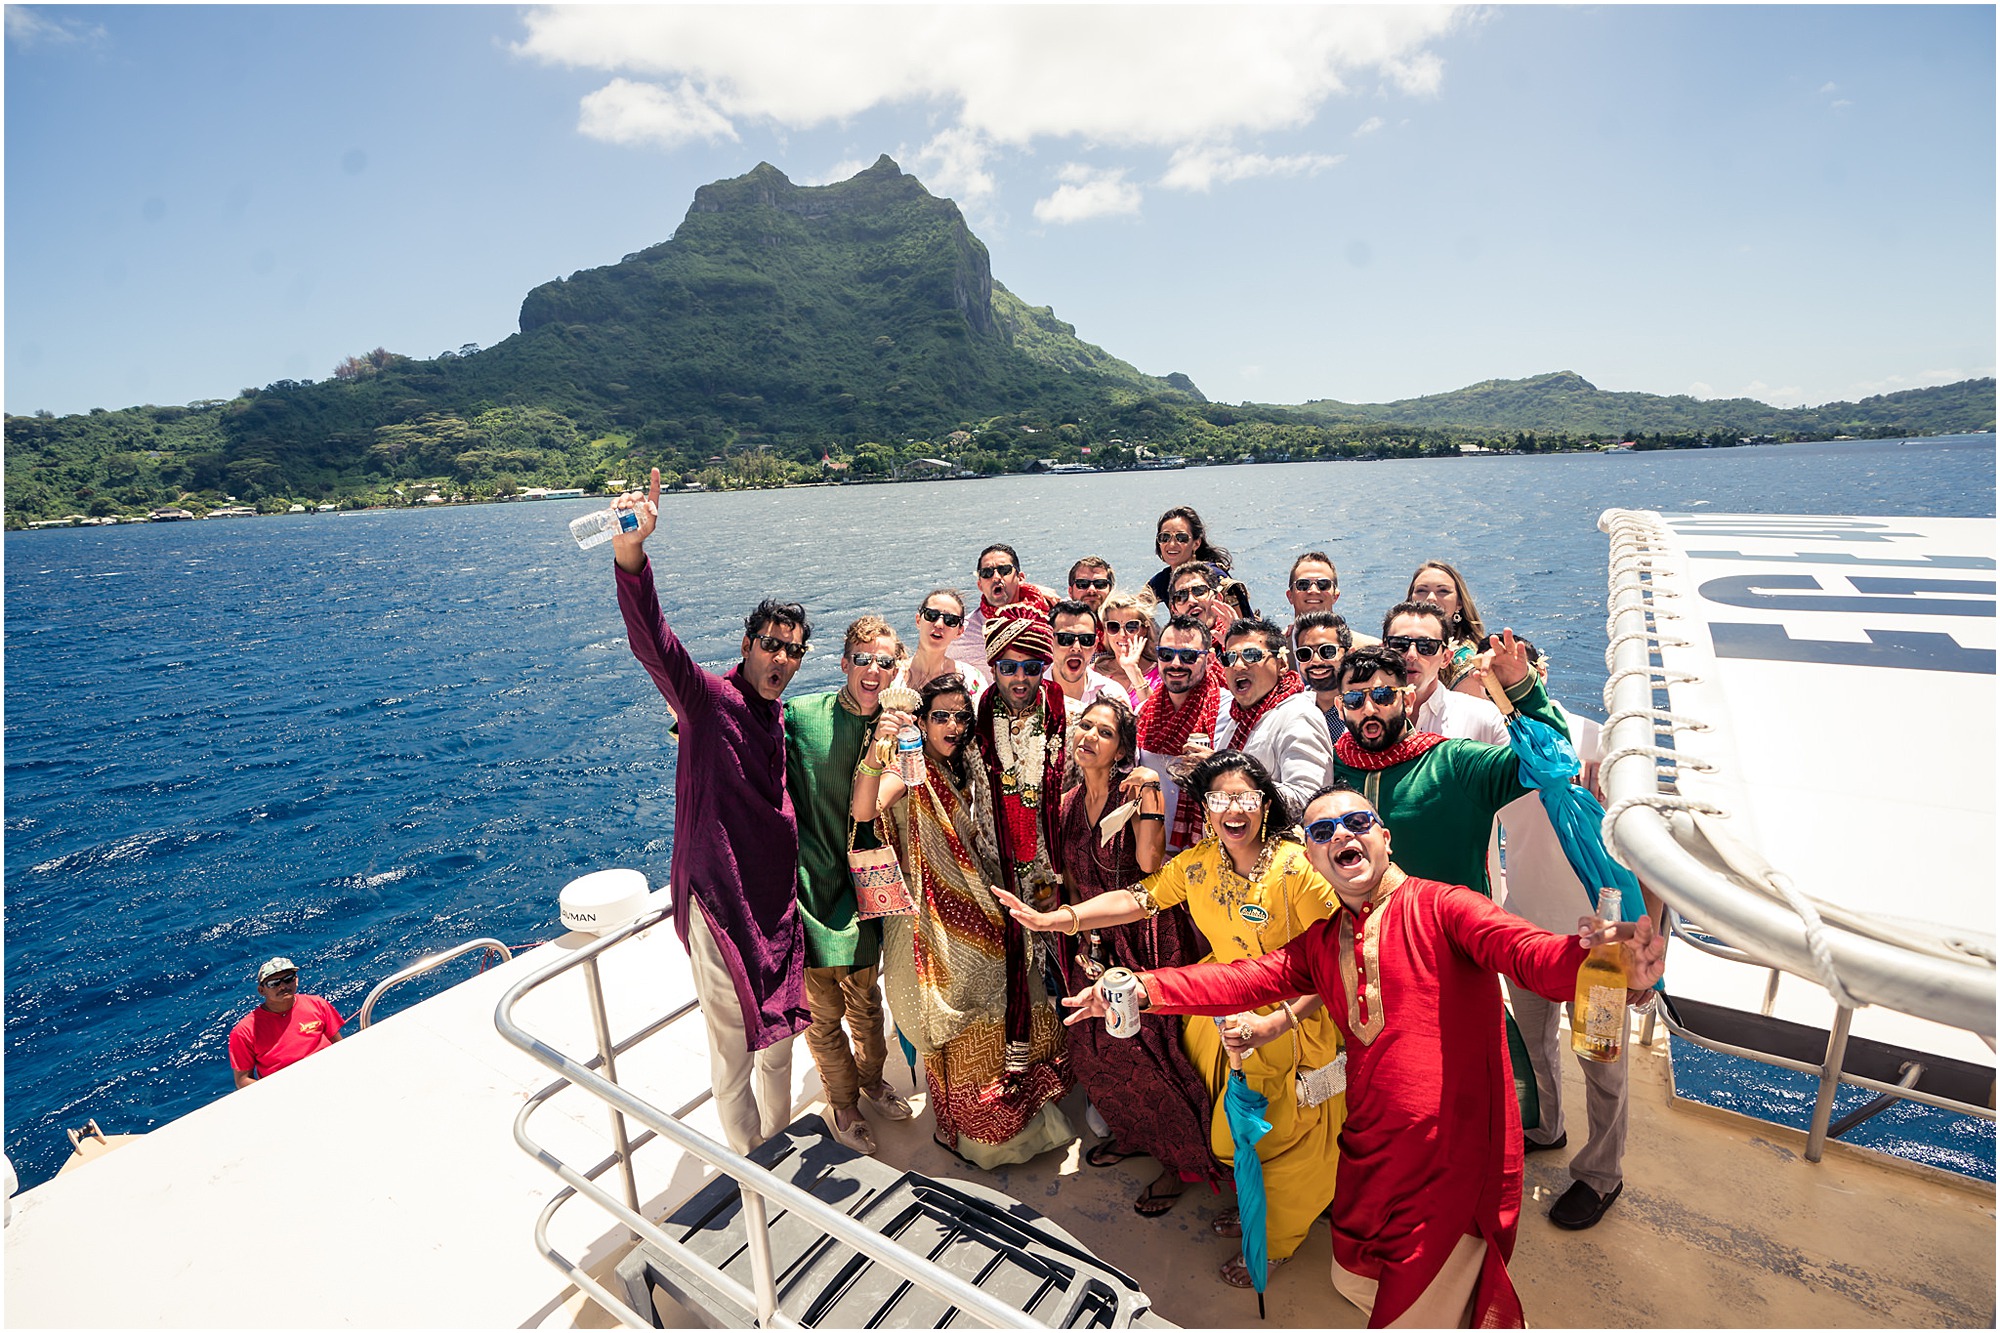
x=1794 y=203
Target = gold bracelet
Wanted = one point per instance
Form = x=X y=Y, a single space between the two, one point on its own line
x=871 y=772
x=1286 y=1005
x=1075 y=921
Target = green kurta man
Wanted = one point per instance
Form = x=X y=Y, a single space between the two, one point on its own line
x=824 y=738
x=1439 y=796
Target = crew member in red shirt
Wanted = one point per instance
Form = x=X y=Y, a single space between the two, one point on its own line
x=283 y=1030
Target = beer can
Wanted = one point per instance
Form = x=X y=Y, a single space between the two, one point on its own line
x=1121 y=994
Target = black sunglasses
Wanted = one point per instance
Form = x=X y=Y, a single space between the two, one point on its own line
x=1090 y=583
x=1074 y=638
x=1402 y=643
x=940 y=716
x=1247 y=656
x=886 y=661
x=280 y=979
x=771 y=643
x=1312 y=585
x=1173 y=539
x=1124 y=627
x=1382 y=695
x=1188 y=593
x=1357 y=822
x=1184 y=656
x=995 y=571
x=1322 y=652
x=950 y=620
x=1008 y=666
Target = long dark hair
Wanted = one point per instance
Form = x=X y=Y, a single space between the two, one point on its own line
x=949 y=683
x=1203 y=548
x=1281 y=817
x=1127 y=723
x=1465 y=622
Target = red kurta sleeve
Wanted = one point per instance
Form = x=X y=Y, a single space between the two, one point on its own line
x=1247 y=983
x=1496 y=939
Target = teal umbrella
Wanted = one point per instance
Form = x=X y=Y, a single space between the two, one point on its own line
x=1245 y=1107
x=1548 y=763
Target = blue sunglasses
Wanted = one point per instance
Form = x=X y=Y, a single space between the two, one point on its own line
x=1356 y=822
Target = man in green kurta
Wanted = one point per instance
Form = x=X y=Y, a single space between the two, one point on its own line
x=824 y=734
x=1439 y=795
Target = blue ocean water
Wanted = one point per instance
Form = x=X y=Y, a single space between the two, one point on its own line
x=356 y=739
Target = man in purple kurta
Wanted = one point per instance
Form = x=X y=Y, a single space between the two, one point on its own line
x=736 y=841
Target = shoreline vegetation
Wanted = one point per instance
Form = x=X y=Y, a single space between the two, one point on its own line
x=190 y=507
x=792 y=335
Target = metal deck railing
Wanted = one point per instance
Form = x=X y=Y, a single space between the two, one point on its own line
x=597 y=1075
x=1653 y=829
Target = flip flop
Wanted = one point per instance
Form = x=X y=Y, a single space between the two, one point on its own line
x=1237 y=1273
x=1108 y=1153
x=1228 y=1223
x=1154 y=1204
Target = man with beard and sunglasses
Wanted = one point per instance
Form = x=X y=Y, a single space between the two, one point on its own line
x=1319 y=640
x=1001 y=585
x=1439 y=794
x=736 y=837
x=1417 y=631
x=1271 y=717
x=1177 y=722
x=824 y=736
x=1428 y=1194
x=1021 y=724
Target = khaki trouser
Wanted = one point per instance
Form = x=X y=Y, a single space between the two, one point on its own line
x=748 y=1116
x=1600 y=1162
x=834 y=993
x=1445 y=1303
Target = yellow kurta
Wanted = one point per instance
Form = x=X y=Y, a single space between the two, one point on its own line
x=1246 y=919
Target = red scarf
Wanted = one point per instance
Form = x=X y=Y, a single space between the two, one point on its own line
x=1028 y=597
x=1348 y=752
x=1247 y=719
x=1164 y=730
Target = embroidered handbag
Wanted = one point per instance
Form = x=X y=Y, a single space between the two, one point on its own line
x=1323 y=1084
x=879 y=889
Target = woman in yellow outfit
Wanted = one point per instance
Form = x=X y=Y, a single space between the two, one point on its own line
x=1250 y=890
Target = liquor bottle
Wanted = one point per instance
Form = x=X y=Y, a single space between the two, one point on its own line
x=1597 y=1014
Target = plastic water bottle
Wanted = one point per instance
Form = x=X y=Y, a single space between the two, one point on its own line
x=910 y=756
x=600 y=526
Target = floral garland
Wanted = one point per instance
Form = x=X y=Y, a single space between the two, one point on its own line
x=1022 y=761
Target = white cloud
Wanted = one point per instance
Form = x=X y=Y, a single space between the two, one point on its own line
x=1202 y=168
x=1922 y=379
x=1088 y=192
x=1829 y=87
x=1839 y=102
x=635 y=113
x=996 y=79
x=839 y=171
x=1369 y=126
x=28 y=27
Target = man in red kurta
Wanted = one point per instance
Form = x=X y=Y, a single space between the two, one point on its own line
x=1428 y=1191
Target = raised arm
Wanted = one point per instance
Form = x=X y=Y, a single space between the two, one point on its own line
x=1542 y=960
x=674 y=671
x=1220 y=988
x=875 y=788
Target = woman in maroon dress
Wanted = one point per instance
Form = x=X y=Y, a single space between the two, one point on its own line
x=1143 y=1086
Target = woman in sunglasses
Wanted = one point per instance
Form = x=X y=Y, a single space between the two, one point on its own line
x=1131 y=654
x=1112 y=835
x=940 y=623
x=1180 y=538
x=1440 y=584
x=1249 y=890
x=965 y=987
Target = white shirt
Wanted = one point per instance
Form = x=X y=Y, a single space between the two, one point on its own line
x=970 y=647
x=1462 y=716
x=1539 y=885
x=1291 y=742
x=1094 y=684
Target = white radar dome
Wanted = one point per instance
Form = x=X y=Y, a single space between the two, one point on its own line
x=603 y=900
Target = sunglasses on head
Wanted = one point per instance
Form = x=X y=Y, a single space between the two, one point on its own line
x=884 y=660
x=1191 y=591
x=940 y=716
x=771 y=643
x=1174 y=538
x=949 y=619
x=1357 y=822
x=1090 y=583
x=1124 y=626
x=1381 y=695
x=1312 y=585
x=995 y=571
x=1183 y=656
x=1007 y=666
x=1424 y=646
x=1321 y=652
x=1222 y=802
x=1247 y=656
x=1075 y=638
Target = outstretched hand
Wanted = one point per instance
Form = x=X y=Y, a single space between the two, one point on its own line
x=1508 y=658
x=1641 y=948
x=629 y=548
x=1087 y=1003
x=1029 y=918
